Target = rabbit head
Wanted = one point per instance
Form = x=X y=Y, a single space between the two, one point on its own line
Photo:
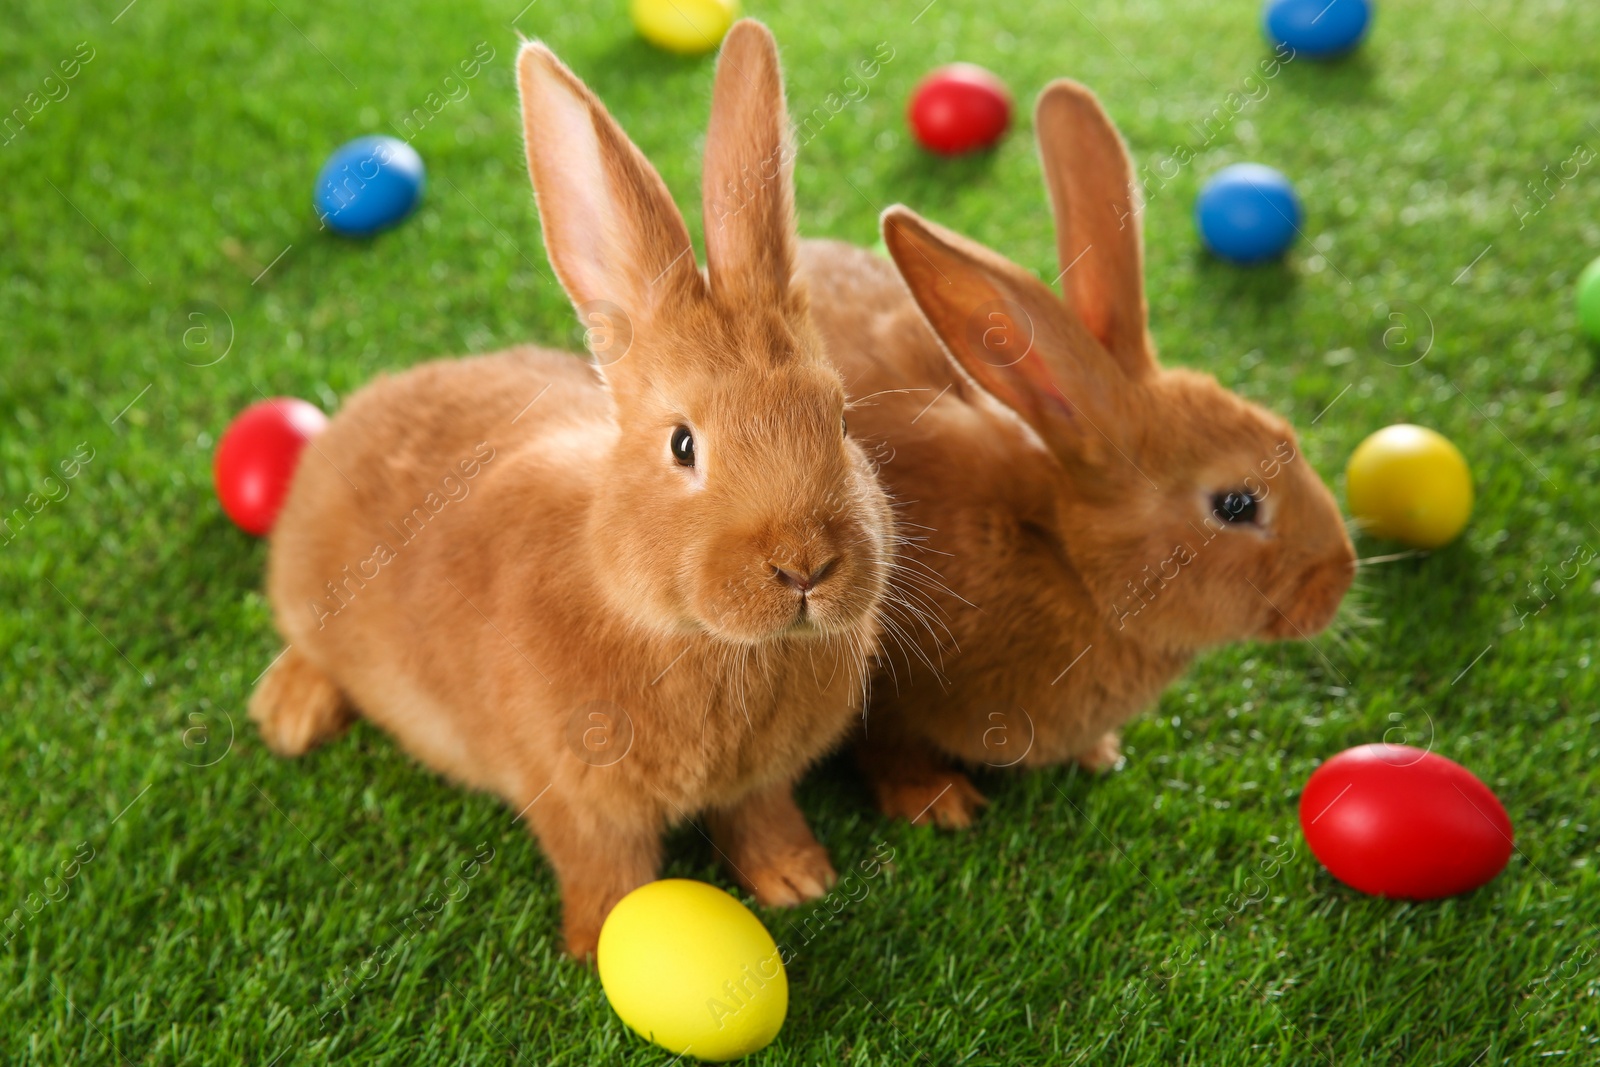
x=732 y=499
x=1192 y=517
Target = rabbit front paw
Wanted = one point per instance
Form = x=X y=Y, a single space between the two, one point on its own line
x=769 y=848
x=297 y=707
x=790 y=877
x=947 y=798
x=1106 y=755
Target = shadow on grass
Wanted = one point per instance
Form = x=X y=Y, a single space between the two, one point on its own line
x=1414 y=595
x=931 y=183
x=1261 y=287
x=1350 y=78
x=630 y=62
x=222 y=567
x=1591 y=380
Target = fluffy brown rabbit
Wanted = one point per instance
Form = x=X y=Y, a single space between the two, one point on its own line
x=619 y=595
x=1089 y=520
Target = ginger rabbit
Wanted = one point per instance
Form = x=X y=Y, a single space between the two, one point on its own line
x=620 y=592
x=1088 y=520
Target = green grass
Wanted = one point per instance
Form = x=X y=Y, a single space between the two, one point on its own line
x=220 y=908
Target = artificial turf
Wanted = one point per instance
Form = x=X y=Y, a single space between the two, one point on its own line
x=160 y=268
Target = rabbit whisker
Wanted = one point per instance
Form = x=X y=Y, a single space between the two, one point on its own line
x=887 y=392
x=907 y=644
x=918 y=588
x=1351 y=618
x=929 y=618
x=1392 y=557
x=927 y=578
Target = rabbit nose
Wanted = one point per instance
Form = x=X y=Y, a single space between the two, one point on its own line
x=802 y=581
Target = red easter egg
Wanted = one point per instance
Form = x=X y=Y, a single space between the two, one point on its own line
x=256 y=459
x=959 y=108
x=1395 y=821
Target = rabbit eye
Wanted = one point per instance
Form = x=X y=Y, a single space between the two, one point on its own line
x=683 y=446
x=1235 y=506
x=844 y=426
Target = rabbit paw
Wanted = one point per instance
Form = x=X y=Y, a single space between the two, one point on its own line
x=794 y=875
x=1106 y=755
x=767 y=846
x=947 y=798
x=582 y=936
x=297 y=707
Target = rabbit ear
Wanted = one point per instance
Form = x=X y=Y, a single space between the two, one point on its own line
x=748 y=188
x=1098 y=243
x=610 y=226
x=1011 y=335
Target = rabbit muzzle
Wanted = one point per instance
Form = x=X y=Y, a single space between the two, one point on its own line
x=1313 y=602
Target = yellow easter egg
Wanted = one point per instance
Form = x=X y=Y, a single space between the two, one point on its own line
x=688 y=27
x=689 y=967
x=1409 y=484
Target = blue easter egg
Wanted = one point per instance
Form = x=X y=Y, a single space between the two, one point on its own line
x=1317 y=28
x=368 y=184
x=1248 y=213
